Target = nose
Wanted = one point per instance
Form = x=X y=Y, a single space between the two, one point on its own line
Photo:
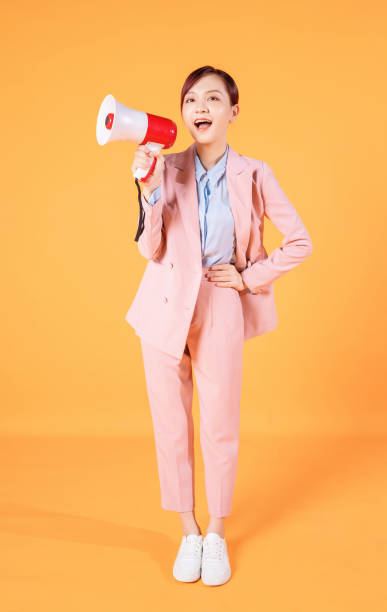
x=202 y=106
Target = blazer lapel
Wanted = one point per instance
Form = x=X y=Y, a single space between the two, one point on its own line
x=239 y=181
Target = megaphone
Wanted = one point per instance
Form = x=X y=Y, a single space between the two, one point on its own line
x=116 y=121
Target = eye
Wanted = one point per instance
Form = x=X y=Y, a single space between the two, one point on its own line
x=214 y=97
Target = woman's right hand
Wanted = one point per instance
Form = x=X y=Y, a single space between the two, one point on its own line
x=143 y=158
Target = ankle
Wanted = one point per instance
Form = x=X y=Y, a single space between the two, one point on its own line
x=189 y=524
x=194 y=530
x=216 y=525
x=218 y=531
x=191 y=527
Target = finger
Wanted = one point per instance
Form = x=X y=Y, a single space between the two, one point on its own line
x=219 y=266
x=143 y=163
x=223 y=284
x=143 y=155
x=223 y=279
x=223 y=274
x=153 y=152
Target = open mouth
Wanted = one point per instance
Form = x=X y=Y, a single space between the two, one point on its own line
x=203 y=124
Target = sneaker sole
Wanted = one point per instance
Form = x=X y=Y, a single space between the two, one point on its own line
x=209 y=583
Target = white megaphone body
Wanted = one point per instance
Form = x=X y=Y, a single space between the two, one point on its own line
x=118 y=122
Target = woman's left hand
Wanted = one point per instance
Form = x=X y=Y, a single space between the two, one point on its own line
x=226 y=275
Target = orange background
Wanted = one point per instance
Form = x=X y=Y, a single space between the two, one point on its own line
x=81 y=520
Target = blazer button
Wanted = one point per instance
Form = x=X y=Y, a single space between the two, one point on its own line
x=165 y=299
x=171 y=265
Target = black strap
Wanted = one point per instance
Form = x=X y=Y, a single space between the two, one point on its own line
x=140 y=228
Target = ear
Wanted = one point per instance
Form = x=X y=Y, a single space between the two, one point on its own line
x=235 y=111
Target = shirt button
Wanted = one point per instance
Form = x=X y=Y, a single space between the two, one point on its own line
x=165 y=299
x=171 y=265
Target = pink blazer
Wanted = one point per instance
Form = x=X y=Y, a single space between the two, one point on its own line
x=163 y=306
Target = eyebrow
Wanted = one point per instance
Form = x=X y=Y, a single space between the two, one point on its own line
x=208 y=91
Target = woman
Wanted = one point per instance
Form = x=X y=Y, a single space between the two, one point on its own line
x=206 y=289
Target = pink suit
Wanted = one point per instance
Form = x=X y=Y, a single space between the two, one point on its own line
x=182 y=318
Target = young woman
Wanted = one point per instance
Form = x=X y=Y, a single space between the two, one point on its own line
x=206 y=289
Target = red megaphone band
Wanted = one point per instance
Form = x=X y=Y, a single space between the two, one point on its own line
x=160 y=129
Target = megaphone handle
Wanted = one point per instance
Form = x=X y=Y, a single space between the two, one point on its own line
x=152 y=167
x=153 y=146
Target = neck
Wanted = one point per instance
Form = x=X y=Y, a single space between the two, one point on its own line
x=210 y=153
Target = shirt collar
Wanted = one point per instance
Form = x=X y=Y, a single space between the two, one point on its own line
x=214 y=173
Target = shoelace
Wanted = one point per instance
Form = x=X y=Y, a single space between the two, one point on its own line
x=191 y=547
x=213 y=549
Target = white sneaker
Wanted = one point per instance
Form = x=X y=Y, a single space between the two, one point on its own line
x=188 y=561
x=215 y=563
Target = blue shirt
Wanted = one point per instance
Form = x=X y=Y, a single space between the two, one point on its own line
x=217 y=231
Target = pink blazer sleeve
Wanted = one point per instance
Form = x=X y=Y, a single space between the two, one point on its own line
x=151 y=241
x=296 y=244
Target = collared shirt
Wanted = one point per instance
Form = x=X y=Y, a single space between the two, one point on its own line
x=217 y=230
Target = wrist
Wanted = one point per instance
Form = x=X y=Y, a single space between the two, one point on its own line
x=146 y=194
x=244 y=288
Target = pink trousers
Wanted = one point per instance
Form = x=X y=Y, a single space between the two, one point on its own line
x=215 y=349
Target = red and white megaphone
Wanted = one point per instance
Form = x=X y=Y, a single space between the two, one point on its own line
x=118 y=122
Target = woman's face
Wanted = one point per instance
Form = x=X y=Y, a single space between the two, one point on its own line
x=208 y=98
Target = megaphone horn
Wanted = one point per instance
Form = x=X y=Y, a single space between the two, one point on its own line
x=119 y=122
x=116 y=121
